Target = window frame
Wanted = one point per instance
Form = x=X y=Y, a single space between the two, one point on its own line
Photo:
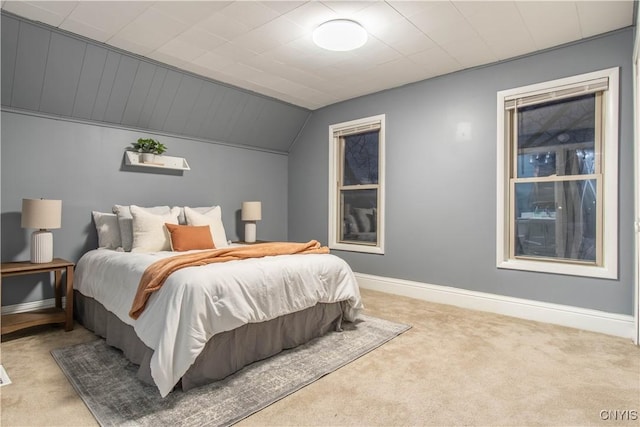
x=607 y=267
x=336 y=159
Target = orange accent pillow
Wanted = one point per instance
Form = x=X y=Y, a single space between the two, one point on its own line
x=188 y=237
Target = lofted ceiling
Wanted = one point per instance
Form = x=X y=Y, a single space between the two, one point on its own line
x=266 y=46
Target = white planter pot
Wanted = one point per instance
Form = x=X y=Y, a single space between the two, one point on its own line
x=147 y=157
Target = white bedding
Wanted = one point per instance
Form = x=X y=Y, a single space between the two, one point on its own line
x=196 y=303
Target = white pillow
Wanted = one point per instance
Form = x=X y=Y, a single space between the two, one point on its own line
x=107 y=229
x=125 y=222
x=182 y=220
x=212 y=218
x=149 y=232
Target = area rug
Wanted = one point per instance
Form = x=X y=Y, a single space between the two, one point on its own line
x=106 y=381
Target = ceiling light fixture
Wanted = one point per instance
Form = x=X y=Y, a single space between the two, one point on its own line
x=340 y=35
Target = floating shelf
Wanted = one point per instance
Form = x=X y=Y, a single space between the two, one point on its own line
x=133 y=158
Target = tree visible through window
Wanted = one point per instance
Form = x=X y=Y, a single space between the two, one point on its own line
x=361 y=158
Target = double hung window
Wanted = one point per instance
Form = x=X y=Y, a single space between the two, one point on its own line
x=557 y=176
x=356 y=185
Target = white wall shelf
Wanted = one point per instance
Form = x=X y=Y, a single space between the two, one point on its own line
x=133 y=158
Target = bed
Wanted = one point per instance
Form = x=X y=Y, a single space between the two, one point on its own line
x=209 y=321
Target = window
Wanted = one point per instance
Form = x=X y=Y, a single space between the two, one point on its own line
x=356 y=185
x=558 y=176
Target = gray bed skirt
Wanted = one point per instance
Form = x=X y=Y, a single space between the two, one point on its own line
x=225 y=353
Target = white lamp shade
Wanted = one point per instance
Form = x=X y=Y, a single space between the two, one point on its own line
x=43 y=214
x=251 y=211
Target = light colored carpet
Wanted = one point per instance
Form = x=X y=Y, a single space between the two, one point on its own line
x=107 y=382
x=453 y=367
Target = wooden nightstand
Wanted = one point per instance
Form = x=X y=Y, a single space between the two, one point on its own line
x=16 y=321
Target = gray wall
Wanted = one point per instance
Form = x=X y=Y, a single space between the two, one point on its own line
x=441 y=193
x=82 y=164
x=70 y=106
x=51 y=71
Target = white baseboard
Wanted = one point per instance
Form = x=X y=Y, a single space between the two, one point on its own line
x=575 y=317
x=619 y=325
x=34 y=305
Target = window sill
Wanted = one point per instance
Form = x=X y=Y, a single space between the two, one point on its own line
x=357 y=248
x=559 y=268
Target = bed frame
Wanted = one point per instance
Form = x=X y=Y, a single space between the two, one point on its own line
x=225 y=353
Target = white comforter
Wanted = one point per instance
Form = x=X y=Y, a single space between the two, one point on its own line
x=196 y=303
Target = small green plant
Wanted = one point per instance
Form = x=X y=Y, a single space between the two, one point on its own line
x=149 y=145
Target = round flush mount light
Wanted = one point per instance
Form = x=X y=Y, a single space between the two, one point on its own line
x=340 y=35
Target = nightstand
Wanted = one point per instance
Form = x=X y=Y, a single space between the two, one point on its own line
x=16 y=321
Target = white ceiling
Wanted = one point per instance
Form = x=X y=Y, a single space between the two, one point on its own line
x=266 y=46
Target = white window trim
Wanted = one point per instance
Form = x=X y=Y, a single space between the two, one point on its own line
x=334 y=170
x=609 y=267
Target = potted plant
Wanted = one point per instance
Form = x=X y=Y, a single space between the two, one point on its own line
x=148 y=148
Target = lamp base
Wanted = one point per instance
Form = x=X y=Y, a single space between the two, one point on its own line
x=41 y=246
x=250 y=232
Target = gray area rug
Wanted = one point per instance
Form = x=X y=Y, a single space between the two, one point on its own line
x=106 y=381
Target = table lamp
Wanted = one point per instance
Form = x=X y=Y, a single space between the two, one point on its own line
x=44 y=215
x=251 y=212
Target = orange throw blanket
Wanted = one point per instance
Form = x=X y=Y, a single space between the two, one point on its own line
x=155 y=275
